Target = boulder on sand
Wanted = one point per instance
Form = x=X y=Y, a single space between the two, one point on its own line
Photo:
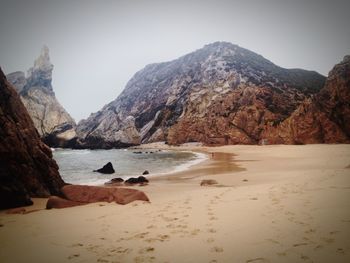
x=139 y=180
x=208 y=182
x=106 y=169
x=145 y=172
x=91 y=194
x=115 y=181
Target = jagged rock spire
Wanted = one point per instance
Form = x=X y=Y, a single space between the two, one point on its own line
x=40 y=75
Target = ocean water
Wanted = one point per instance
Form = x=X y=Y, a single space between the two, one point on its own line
x=76 y=166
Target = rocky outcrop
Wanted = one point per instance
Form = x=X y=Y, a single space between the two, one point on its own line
x=91 y=194
x=26 y=165
x=136 y=180
x=323 y=118
x=54 y=124
x=106 y=169
x=220 y=94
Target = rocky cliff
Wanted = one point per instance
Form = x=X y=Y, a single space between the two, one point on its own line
x=26 y=165
x=220 y=94
x=323 y=118
x=54 y=124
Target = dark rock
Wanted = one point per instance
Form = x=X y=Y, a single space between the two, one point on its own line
x=137 y=152
x=27 y=168
x=91 y=194
x=145 y=172
x=115 y=181
x=208 y=182
x=58 y=202
x=106 y=169
x=138 y=180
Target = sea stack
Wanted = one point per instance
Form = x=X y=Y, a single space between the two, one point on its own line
x=55 y=126
x=27 y=168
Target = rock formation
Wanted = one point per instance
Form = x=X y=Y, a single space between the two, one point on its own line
x=26 y=165
x=91 y=194
x=54 y=124
x=323 y=118
x=106 y=169
x=220 y=94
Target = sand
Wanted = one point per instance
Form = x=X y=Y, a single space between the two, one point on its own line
x=272 y=204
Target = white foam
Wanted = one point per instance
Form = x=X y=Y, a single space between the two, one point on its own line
x=199 y=157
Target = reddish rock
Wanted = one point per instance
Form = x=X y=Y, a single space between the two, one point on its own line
x=90 y=194
x=324 y=118
x=27 y=168
x=58 y=202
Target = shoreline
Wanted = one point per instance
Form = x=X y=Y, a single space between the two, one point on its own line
x=266 y=194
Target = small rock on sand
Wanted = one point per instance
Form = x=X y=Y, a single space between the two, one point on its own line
x=208 y=182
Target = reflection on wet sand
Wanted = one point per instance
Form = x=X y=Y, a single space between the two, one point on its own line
x=217 y=163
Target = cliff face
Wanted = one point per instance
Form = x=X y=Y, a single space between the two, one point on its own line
x=324 y=118
x=220 y=94
x=26 y=165
x=54 y=124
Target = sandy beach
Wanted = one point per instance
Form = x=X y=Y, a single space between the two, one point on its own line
x=272 y=204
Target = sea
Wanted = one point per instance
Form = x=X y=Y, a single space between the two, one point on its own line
x=76 y=166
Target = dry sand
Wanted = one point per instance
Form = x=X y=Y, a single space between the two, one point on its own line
x=272 y=204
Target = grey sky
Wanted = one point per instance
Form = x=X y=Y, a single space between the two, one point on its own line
x=97 y=46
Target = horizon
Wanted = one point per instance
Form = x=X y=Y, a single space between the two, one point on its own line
x=98 y=47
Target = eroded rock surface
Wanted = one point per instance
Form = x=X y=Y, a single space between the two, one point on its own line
x=323 y=118
x=220 y=94
x=26 y=165
x=54 y=124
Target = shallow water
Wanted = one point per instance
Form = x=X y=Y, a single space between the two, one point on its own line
x=76 y=166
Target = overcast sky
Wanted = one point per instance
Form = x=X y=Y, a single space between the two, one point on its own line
x=97 y=46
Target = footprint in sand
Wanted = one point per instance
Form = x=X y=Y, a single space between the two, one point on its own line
x=142 y=259
x=211 y=230
x=121 y=250
x=304 y=257
x=328 y=240
x=195 y=232
x=160 y=238
x=309 y=231
x=217 y=249
x=146 y=250
x=340 y=251
x=300 y=244
x=141 y=235
x=102 y=260
x=210 y=240
x=73 y=256
x=257 y=260
x=77 y=245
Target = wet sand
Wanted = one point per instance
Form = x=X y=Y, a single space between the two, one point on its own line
x=272 y=204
